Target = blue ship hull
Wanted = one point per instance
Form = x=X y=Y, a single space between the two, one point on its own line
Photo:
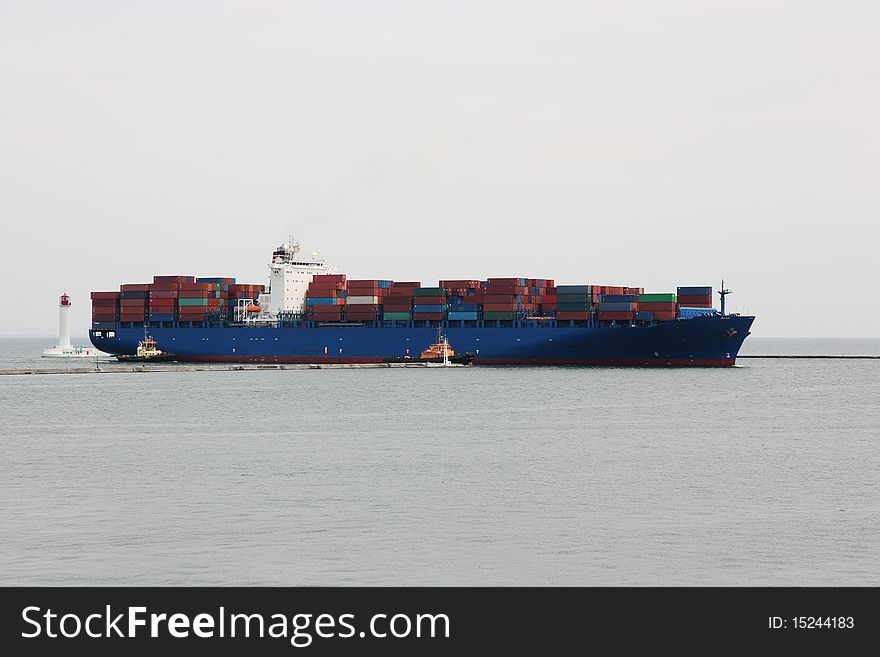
x=711 y=340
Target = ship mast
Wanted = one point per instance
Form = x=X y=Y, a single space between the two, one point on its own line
x=723 y=293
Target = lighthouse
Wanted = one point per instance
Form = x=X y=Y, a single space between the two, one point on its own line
x=64 y=349
x=64 y=322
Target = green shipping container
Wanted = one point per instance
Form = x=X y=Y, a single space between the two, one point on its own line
x=572 y=298
x=579 y=305
x=192 y=302
x=657 y=298
x=498 y=315
x=429 y=292
x=397 y=316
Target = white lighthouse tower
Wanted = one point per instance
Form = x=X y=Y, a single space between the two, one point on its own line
x=64 y=349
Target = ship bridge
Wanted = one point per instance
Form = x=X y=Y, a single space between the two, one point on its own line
x=289 y=276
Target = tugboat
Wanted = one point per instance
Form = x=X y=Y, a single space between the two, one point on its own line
x=147 y=352
x=438 y=354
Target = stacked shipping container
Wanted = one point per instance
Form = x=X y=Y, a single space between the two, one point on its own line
x=334 y=298
x=399 y=301
x=325 y=297
x=695 y=297
x=169 y=299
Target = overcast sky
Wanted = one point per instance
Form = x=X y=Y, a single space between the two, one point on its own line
x=639 y=143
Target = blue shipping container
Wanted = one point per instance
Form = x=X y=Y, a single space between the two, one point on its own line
x=616 y=306
x=320 y=301
x=645 y=315
x=690 y=313
x=161 y=317
x=429 y=308
x=212 y=279
x=619 y=298
x=133 y=295
x=695 y=291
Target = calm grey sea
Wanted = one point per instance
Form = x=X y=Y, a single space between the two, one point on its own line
x=763 y=474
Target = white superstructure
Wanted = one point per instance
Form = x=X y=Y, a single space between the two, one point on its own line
x=64 y=349
x=289 y=276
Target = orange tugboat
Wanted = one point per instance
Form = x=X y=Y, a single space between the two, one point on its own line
x=440 y=353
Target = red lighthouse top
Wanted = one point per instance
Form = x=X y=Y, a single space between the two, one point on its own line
x=65 y=300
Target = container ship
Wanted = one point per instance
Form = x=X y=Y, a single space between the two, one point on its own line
x=309 y=313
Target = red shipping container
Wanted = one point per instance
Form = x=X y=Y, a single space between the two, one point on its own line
x=427 y=316
x=329 y=278
x=428 y=301
x=132 y=303
x=504 y=289
x=616 y=314
x=657 y=306
x=499 y=298
x=161 y=303
x=499 y=307
x=408 y=284
x=105 y=295
x=171 y=279
x=163 y=294
x=104 y=303
x=193 y=294
x=459 y=284
x=363 y=291
x=695 y=301
x=324 y=290
x=572 y=314
x=134 y=287
x=198 y=286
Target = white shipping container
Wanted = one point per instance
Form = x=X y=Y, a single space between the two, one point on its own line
x=362 y=300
